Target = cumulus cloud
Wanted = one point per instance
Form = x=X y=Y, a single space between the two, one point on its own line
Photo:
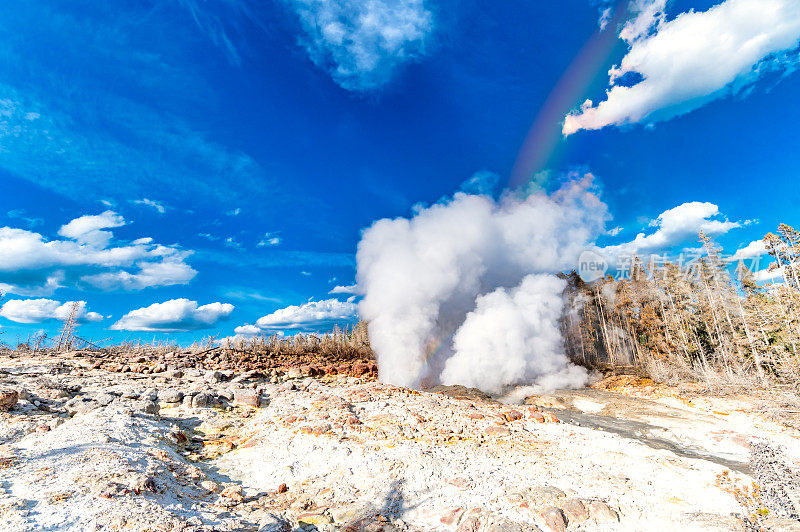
x=344 y=289
x=175 y=315
x=697 y=57
x=675 y=226
x=30 y=264
x=362 y=43
x=470 y=283
x=39 y=310
x=768 y=275
x=88 y=229
x=311 y=316
x=754 y=249
x=247 y=331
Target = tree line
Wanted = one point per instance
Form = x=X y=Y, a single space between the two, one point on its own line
x=709 y=320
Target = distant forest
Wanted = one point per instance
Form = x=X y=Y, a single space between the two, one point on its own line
x=708 y=320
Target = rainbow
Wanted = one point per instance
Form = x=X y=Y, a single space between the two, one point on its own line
x=542 y=140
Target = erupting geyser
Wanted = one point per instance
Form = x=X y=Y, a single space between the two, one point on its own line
x=465 y=292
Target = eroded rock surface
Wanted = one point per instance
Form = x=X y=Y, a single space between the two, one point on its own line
x=190 y=448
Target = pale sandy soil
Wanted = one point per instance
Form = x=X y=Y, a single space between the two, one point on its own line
x=347 y=453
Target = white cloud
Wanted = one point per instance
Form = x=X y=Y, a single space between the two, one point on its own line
x=232 y=243
x=158 y=206
x=754 y=249
x=269 y=240
x=247 y=330
x=314 y=315
x=248 y=294
x=234 y=212
x=693 y=59
x=349 y=289
x=175 y=315
x=88 y=229
x=362 y=43
x=168 y=271
x=39 y=310
x=675 y=226
x=767 y=275
x=30 y=264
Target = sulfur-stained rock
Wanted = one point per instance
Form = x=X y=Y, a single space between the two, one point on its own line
x=318 y=520
x=8 y=399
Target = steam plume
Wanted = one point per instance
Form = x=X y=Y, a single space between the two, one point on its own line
x=465 y=292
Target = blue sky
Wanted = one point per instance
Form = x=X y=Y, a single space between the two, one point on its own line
x=253 y=141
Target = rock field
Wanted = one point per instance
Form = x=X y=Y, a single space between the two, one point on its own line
x=191 y=443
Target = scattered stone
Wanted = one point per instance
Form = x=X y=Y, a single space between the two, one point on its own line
x=170 y=396
x=546 y=496
x=104 y=399
x=233 y=494
x=294 y=373
x=273 y=523
x=283 y=488
x=553 y=518
x=146 y=406
x=202 y=400
x=150 y=394
x=173 y=373
x=226 y=394
x=506 y=525
x=575 y=511
x=602 y=512
x=8 y=399
x=210 y=486
x=212 y=376
x=79 y=405
x=246 y=396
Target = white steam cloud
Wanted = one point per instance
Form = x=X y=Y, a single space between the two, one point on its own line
x=465 y=292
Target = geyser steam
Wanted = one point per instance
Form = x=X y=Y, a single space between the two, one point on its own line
x=465 y=292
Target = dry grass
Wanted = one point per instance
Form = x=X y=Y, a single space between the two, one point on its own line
x=350 y=342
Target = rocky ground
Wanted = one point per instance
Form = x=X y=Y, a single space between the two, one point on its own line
x=99 y=443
